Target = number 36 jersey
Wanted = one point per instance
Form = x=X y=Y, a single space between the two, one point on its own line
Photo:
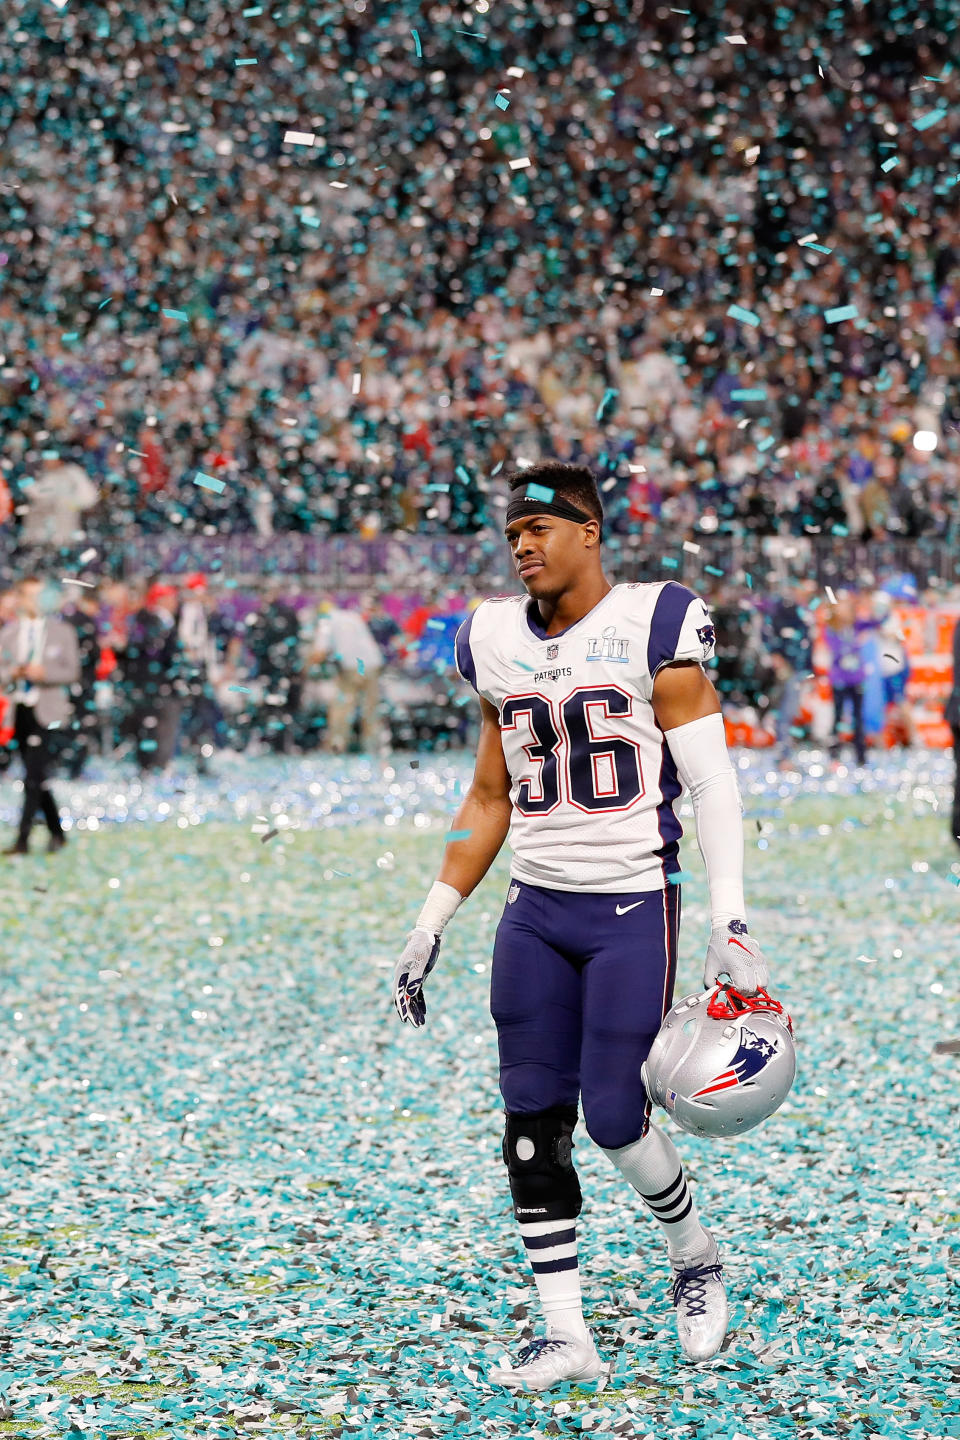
x=593 y=783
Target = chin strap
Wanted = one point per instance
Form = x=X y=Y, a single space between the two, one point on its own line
x=727 y=1003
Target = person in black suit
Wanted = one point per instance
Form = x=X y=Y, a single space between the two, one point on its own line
x=151 y=667
x=951 y=713
x=83 y=735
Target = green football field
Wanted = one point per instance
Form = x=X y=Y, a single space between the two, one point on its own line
x=238 y=1195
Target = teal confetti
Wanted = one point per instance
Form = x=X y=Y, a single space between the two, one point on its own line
x=712 y=570
x=209 y=482
x=71 y=335
x=310 y=220
x=766 y=442
x=667 y=130
x=681 y=877
x=104 y=302
x=245 y=689
x=757 y=394
x=539 y=492
x=889 y=164
x=748 y=581
x=457 y=835
x=812 y=245
x=609 y=396
x=253 y=10
x=463 y=474
x=244 y=62
x=670 y=563
x=416 y=41
x=747 y=317
x=175 y=314
x=840 y=312
x=360 y=666
x=933 y=117
x=501 y=101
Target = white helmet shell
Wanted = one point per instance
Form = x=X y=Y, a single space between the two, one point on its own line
x=722 y=1062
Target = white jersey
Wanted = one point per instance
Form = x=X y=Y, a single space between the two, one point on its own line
x=593 y=782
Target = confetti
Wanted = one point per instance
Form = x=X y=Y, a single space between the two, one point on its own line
x=758 y=393
x=245 y=62
x=737 y=312
x=520 y=164
x=299 y=137
x=416 y=41
x=501 y=101
x=457 y=835
x=655 y=291
x=933 y=117
x=209 y=482
x=840 y=312
x=176 y=314
x=889 y=164
x=539 y=492
x=356 y=382
x=830 y=595
x=735 y=39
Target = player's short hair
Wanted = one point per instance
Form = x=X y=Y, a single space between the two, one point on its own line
x=575 y=483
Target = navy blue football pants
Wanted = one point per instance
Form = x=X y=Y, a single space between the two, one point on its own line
x=578 y=992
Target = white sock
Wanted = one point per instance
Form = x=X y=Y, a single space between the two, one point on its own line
x=653 y=1167
x=551 y=1245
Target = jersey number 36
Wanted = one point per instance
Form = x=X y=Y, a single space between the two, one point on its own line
x=597 y=773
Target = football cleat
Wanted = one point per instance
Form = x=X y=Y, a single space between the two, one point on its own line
x=701 y=1302
x=551 y=1360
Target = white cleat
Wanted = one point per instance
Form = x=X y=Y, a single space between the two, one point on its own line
x=551 y=1360
x=701 y=1300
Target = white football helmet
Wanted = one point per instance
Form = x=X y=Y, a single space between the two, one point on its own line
x=722 y=1062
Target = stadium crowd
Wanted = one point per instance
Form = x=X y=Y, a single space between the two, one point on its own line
x=521 y=230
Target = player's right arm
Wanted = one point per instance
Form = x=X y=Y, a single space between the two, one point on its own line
x=483 y=820
x=484 y=815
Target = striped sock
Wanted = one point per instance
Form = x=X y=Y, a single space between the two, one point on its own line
x=653 y=1168
x=551 y=1247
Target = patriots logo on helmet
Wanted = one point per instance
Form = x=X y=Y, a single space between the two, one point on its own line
x=707 y=635
x=753 y=1053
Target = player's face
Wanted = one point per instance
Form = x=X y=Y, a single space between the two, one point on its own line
x=547 y=552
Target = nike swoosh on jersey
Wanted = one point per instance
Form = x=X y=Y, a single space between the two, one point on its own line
x=625 y=908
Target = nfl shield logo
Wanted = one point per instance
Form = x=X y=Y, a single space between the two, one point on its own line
x=512 y=894
x=553 y=651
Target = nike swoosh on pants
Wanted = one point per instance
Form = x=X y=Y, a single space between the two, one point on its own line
x=625 y=908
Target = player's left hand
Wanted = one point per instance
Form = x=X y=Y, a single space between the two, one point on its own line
x=731 y=951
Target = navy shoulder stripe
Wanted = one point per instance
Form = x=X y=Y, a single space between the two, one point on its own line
x=665 y=626
x=464 y=654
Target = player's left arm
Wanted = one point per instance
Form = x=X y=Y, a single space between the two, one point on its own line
x=687 y=709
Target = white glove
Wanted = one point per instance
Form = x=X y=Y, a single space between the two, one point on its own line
x=418 y=959
x=731 y=951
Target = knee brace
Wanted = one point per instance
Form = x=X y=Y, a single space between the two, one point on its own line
x=537 y=1153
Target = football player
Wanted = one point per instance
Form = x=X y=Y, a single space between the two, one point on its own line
x=596 y=711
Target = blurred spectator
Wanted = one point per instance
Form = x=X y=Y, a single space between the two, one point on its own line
x=55 y=502
x=84 y=617
x=343 y=637
x=273 y=636
x=151 y=669
x=951 y=714
x=844 y=634
x=38 y=658
x=201 y=725
x=384 y=629
x=894 y=665
x=786 y=636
